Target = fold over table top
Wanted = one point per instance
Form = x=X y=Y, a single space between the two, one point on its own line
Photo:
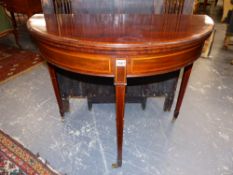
x=121 y=30
x=91 y=43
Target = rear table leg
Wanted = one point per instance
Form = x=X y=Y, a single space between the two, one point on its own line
x=184 y=82
x=63 y=103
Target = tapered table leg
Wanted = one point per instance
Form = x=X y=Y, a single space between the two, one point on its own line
x=184 y=82
x=120 y=87
x=62 y=104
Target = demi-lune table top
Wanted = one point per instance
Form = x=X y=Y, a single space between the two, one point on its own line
x=121 y=30
x=90 y=43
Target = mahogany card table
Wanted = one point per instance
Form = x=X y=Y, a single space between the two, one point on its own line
x=120 y=46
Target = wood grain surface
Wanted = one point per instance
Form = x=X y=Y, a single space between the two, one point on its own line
x=151 y=44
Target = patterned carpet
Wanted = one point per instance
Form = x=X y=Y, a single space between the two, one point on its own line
x=14 y=61
x=16 y=160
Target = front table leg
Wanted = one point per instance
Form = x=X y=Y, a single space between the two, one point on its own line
x=184 y=82
x=120 y=86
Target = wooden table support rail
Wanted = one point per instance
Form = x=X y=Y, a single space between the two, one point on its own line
x=120 y=46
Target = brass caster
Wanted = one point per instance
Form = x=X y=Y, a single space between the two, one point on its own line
x=116 y=165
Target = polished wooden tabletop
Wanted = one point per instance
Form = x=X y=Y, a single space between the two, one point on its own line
x=121 y=30
x=135 y=37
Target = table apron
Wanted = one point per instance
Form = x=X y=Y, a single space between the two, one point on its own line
x=104 y=64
